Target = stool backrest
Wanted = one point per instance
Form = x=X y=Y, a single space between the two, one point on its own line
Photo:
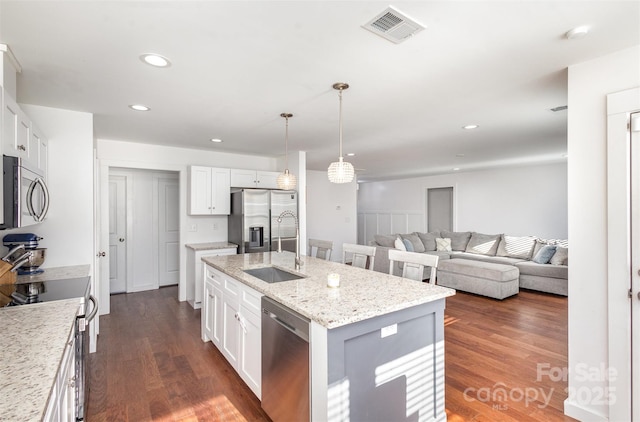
x=413 y=264
x=323 y=248
x=361 y=256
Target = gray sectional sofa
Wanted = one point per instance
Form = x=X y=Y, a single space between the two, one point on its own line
x=522 y=252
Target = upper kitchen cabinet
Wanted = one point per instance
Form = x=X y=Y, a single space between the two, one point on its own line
x=21 y=137
x=16 y=130
x=209 y=191
x=254 y=179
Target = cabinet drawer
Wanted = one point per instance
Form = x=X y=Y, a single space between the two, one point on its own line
x=250 y=300
x=215 y=276
x=231 y=287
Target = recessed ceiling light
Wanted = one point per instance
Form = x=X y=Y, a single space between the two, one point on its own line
x=216 y=140
x=577 y=32
x=455 y=168
x=155 y=60
x=351 y=154
x=459 y=155
x=139 y=107
x=468 y=127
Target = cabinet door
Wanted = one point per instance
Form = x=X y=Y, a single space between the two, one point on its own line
x=267 y=179
x=250 y=356
x=16 y=127
x=221 y=191
x=243 y=178
x=35 y=139
x=230 y=330
x=199 y=190
x=217 y=325
x=207 y=315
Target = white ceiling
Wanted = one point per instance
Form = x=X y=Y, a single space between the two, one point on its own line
x=236 y=65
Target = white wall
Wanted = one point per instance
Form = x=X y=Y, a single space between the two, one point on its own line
x=589 y=83
x=68 y=231
x=527 y=200
x=154 y=157
x=331 y=211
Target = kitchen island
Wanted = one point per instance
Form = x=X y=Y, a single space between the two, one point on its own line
x=376 y=342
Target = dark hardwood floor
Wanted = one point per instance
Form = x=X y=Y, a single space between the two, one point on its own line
x=152 y=365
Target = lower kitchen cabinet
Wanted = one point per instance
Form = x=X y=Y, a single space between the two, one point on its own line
x=195 y=268
x=62 y=400
x=231 y=320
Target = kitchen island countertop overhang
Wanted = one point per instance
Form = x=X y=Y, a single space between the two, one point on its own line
x=361 y=295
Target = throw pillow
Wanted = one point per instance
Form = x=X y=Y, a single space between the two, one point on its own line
x=561 y=257
x=459 y=240
x=544 y=254
x=483 y=244
x=386 y=240
x=416 y=243
x=516 y=247
x=407 y=245
x=399 y=244
x=443 y=244
x=428 y=240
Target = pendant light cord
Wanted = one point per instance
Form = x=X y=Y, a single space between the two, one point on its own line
x=286 y=143
x=340 y=95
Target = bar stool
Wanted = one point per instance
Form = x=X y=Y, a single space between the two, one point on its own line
x=413 y=264
x=361 y=256
x=323 y=248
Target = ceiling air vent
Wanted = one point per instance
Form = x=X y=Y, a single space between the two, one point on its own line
x=393 y=26
x=559 y=108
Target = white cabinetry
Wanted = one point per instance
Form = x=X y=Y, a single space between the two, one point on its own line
x=254 y=179
x=62 y=400
x=232 y=320
x=209 y=191
x=195 y=271
x=20 y=136
x=16 y=128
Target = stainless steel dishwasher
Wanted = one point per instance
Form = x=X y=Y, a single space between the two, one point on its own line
x=285 y=363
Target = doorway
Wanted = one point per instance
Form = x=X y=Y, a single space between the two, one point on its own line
x=144 y=229
x=439 y=208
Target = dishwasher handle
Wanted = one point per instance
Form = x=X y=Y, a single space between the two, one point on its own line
x=303 y=335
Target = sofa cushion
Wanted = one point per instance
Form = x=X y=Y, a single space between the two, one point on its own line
x=561 y=257
x=516 y=246
x=443 y=244
x=542 y=270
x=428 y=240
x=386 y=240
x=459 y=240
x=408 y=245
x=416 y=243
x=399 y=244
x=483 y=244
x=479 y=269
x=544 y=254
x=441 y=254
x=485 y=258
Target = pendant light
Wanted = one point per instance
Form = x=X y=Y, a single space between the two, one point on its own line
x=340 y=171
x=286 y=180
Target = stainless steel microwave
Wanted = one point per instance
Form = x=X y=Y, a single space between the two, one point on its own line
x=26 y=197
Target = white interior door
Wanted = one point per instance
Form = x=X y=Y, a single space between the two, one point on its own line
x=168 y=231
x=117 y=231
x=635 y=264
x=439 y=208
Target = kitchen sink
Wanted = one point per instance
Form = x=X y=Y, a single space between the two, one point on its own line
x=272 y=274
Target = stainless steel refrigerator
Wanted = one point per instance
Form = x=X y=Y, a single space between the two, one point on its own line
x=253 y=224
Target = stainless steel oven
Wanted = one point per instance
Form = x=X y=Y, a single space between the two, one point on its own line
x=45 y=291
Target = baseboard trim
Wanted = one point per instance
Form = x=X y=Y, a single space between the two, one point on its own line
x=574 y=410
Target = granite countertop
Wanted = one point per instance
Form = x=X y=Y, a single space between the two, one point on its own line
x=210 y=246
x=32 y=342
x=362 y=293
x=57 y=273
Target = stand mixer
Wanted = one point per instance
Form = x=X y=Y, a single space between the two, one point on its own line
x=30 y=243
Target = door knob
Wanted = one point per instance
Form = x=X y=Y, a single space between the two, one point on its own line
x=121 y=239
x=101 y=254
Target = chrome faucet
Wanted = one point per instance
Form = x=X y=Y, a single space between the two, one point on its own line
x=298 y=262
